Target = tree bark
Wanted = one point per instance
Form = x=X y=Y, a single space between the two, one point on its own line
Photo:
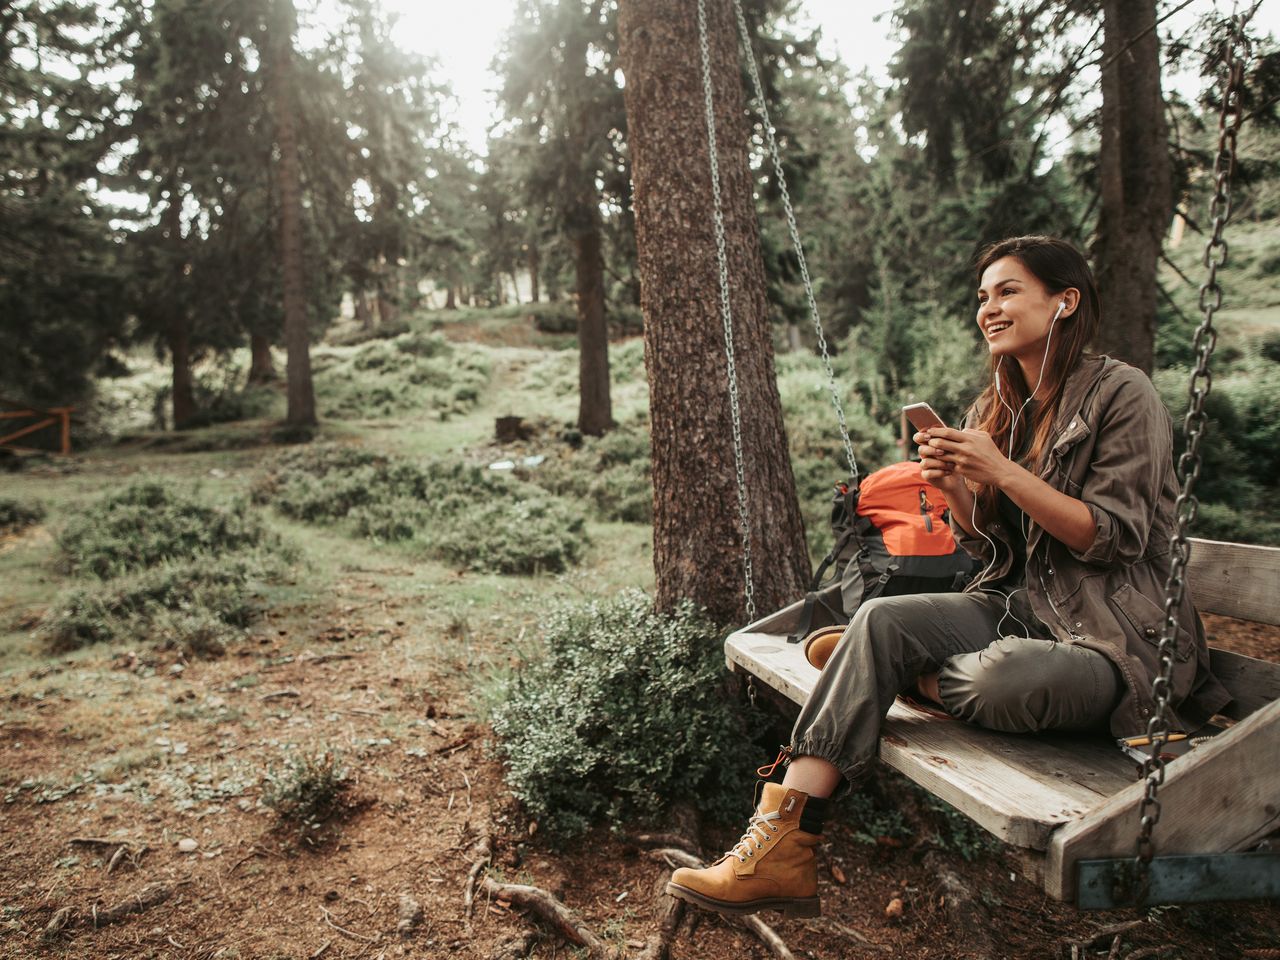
x=184 y=403
x=534 y=266
x=262 y=368
x=697 y=538
x=451 y=299
x=297 y=336
x=364 y=315
x=1136 y=180
x=595 y=410
x=179 y=326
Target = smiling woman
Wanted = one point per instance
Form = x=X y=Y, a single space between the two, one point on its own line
x=1071 y=511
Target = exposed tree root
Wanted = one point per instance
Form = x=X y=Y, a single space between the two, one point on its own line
x=673 y=857
x=484 y=849
x=664 y=840
x=551 y=910
x=971 y=922
x=670 y=912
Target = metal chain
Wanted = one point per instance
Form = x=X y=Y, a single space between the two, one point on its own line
x=781 y=178
x=726 y=316
x=1194 y=424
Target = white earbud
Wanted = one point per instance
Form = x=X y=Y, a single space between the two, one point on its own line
x=1062 y=305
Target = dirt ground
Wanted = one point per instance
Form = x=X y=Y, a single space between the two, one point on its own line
x=143 y=751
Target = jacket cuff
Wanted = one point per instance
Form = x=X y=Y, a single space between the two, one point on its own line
x=1102 y=551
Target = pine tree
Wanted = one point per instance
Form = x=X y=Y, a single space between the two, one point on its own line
x=61 y=303
x=697 y=545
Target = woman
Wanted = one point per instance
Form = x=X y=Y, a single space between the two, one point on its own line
x=1062 y=483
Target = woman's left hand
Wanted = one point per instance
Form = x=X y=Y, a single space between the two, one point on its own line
x=972 y=452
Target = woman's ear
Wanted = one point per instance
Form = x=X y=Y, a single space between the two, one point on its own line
x=1070 y=298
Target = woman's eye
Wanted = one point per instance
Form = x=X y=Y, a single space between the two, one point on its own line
x=1007 y=291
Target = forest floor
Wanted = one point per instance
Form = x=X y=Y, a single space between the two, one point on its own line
x=133 y=824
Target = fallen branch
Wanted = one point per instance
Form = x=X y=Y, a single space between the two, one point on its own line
x=344 y=931
x=326 y=657
x=852 y=934
x=67 y=917
x=279 y=695
x=458 y=744
x=552 y=911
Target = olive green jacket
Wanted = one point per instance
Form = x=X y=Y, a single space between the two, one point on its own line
x=1112 y=448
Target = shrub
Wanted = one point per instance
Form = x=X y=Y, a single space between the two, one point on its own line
x=612 y=472
x=534 y=534
x=626 y=712
x=408 y=373
x=455 y=512
x=307 y=791
x=16 y=515
x=149 y=522
x=136 y=606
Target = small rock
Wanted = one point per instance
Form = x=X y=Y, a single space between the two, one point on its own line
x=176 y=669
x=188 y=845
x=894 y=910
x=838 y=875
x=410 y=912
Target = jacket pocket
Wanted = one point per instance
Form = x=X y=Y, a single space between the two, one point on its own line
x=1147 y=620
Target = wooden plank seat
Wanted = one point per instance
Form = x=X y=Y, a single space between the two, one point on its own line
x=1060 y=797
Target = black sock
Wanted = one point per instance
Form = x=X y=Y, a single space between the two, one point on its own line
x=814 y=814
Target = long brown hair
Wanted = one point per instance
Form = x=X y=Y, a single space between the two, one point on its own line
x=1058 y=265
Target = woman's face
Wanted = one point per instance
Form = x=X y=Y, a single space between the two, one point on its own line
x=1015 y=310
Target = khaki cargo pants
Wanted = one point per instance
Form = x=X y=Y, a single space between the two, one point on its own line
x=1000 y=671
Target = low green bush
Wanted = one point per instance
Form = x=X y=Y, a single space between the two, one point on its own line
x=412 y=372
x=533 y=534
x=199 y=604
x=625 y=713
x=153 y=521
x=16 y=515
x=613 y=473
x=452 y=511
x=306 y=791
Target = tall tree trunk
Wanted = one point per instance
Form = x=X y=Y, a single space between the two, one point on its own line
x=451 y=299
x=301 y=395
x=178 y=334
x=262 y=368
x=1137 y=193
x=364 y=315
x=184 y=403
x=534 y=265
x=697 y=547
x=595 y=412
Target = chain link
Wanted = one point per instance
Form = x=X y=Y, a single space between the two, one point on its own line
x=726 y=314
x=781 y=179
x=1194 y=424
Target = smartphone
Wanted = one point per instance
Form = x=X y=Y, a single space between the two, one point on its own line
x=922 y=416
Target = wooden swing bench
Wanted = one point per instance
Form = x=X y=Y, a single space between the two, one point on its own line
x=1062 y=800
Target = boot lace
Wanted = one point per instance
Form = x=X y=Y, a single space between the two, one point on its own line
x=757 y=835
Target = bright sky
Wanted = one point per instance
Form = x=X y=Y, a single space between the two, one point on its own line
x=464 y=38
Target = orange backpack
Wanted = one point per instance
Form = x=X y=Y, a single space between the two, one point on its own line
x=892 y=536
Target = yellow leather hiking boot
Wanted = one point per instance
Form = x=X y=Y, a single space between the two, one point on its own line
x=819 y=645
x=773 y=866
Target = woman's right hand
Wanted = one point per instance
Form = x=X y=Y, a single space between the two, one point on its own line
x=935 y=467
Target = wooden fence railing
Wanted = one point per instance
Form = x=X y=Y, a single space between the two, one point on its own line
x=58 y=418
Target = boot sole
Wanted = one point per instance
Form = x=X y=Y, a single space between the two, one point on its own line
x=790 y=906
